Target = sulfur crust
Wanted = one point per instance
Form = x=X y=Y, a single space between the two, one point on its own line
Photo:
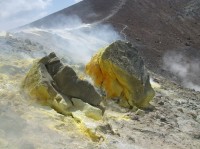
x=39 y=88
x=36 y=88
x=89 y=132
x=117 y=82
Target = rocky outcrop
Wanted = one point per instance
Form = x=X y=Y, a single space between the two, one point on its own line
x=120 y=71
x=76 y=87
x=58 y=86
x=67 y=82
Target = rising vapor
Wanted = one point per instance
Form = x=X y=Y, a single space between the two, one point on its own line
x=70 y=38
x=183 y=67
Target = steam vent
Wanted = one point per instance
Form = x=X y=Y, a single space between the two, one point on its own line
x=120 y=71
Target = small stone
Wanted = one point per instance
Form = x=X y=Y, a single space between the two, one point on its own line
x=156 y=80
x=135 y=117
x=114 y=141
x=180 y=109
x=163 y=119
x=175 y=115
x=188 y=38
x=162 y=124
x=198 y=118
x=196 y=136
x=140 y=112
x=187 y=44
x=138 y=39
x=131 y=139
x=149 y=108
x=194 y=116
x=161 y=103
x=106 y=129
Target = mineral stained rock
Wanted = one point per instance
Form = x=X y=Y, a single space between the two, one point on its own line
x=120 y=71
x=75 y=87
x=58 y=86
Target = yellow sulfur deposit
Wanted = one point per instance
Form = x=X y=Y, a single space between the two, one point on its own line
x=32 y=84
x=39 y=85
x=87 y=126
x=111 y=71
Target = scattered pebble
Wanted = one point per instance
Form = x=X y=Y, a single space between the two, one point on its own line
x=140 y=112
x=135 y=117
x=194 y=116
x=161 y=103
x=187 y=44
x=131 y=139
x=163 y=119
x=196 y=136
x=198 y=118
x=180 y=109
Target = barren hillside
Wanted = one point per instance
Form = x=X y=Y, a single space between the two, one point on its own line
x=155 y=27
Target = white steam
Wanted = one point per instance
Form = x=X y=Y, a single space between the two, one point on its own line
x=23 y=125
x=74 y=40
x=186 y=69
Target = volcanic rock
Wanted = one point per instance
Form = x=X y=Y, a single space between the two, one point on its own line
x=173 y=24
x=51 y=83
x=39 y=83
x=74 y=87
x=68 y=83
x=120 y=71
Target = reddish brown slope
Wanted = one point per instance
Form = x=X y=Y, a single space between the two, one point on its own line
x=155 y=26
x=161 y=26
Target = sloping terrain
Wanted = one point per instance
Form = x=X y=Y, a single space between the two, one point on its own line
x=25 y=124
x=155 y=27
x=161 y=26
x=166 y=33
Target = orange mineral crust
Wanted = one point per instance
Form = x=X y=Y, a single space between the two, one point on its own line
x=113 y=74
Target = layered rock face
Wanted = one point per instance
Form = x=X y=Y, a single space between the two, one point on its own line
x=120 y=71
x=58 y=86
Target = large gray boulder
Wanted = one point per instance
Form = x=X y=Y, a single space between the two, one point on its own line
x=120 y=71
x=63 y=79
x=69 y=84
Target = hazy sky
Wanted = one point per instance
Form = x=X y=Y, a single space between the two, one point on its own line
x=14 y=13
